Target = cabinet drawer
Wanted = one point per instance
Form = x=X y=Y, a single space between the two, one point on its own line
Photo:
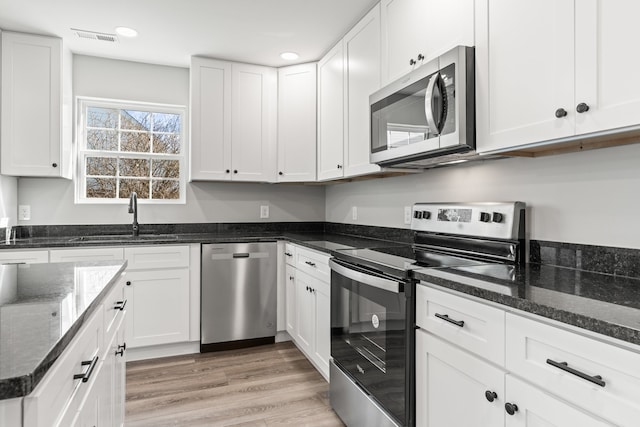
x=26 y=257
x=471 y=325
x=86 y=254
x=533 y=346
x=59 y=392
x=114 y=307
x=290 y=254
x=161 y=256
x=313 y=263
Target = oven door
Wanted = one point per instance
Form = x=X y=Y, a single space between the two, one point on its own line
x=370 y=334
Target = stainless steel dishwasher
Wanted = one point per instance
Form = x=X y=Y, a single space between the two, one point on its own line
x=238 y=295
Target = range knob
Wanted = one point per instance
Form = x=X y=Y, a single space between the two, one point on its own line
x=426 y=214
x=485 y=217
x=497 y=217
x=417 y=215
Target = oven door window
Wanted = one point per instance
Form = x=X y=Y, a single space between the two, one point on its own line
x=368 y=339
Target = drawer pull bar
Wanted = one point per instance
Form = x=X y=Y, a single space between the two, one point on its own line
x=597 y=379
x=288 y=254
x=120 y=305
x=446 y=317
x=92 y=364
x=312 y=264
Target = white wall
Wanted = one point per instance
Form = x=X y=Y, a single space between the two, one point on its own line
x=52 y=200
x=592 y=197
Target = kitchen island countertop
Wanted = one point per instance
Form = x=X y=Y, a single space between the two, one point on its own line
x=42 y=307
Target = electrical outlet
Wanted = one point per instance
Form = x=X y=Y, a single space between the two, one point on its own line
x=354 y=213
x=24 y=212
x=264 y=211
x=407 y=214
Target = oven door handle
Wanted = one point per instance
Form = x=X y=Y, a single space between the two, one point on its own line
x=367 y=279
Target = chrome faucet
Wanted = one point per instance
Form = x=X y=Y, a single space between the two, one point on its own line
x=133 y=209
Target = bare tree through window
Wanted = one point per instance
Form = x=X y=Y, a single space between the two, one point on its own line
x=132 y=149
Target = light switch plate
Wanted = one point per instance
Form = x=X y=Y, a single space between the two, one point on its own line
x=24 y=212
x=264 y=211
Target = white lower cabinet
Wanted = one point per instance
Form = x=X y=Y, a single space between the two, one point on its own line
x=551 y=374
x=62 y=400
x=452 y=385
x=24 y=257
x=308 y=305
x=159 y=302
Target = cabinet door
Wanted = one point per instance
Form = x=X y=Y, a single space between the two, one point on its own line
x=297 y=92
x=331 y=114
x=403 y=38
x=606 y=72
x=322 y=348
x=253 y=123
x=451 y=386
x=158 y=307
x=538 y=409
x=305 y=313
x=362 y=71
x=210 y=119
x=524 y=72
x=34 y=107
x=450 y=24
x=119 y=355
x=291 y=302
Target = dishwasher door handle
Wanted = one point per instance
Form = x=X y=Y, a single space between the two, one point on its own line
x=241 y=255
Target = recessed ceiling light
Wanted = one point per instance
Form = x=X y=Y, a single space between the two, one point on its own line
x=289 y=56
x=126 y=32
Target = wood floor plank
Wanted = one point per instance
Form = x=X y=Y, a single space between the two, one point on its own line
x=266 y=386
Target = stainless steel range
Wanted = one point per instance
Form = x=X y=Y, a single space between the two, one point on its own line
x=373 y=306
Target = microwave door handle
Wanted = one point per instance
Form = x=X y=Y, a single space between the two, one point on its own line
x=376 y=282
x=428 y=104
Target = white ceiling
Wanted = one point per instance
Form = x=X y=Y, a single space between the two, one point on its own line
x=170 y=31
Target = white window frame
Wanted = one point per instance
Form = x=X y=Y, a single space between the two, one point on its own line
x=82 y=103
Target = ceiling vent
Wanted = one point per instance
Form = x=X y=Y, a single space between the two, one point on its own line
x=92 y=35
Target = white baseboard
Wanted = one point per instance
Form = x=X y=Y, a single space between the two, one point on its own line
x=166 y=350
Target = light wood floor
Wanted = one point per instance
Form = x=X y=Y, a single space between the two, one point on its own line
x=272 y=385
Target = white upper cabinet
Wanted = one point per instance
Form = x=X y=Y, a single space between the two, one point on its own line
x=297 y=92
x=362 y=73
x=606 y=71
x=416 y=31
x=331 y=114
x=36 y=106
x=551 y=70
x=210 y=119
x=233 y=121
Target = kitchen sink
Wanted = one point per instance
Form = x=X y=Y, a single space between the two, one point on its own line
x=123 y=238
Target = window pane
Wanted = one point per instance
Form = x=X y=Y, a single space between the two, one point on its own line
x=165 y=122
x=163 y=189
x=134 y=167
x=135 y=120
x=105 y=140
x=101 y=188
x=168 y=144
x=102 y=117
x=101 y=166
x=135 y=142
x=166 y=168
x=140 y=186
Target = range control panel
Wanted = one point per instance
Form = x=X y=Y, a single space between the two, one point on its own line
x=501 y=220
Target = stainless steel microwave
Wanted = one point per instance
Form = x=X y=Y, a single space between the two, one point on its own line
x=428 y=115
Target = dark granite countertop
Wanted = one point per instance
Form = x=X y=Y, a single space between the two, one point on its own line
x=42 y=307
x=326 y=242
x=602 y=303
